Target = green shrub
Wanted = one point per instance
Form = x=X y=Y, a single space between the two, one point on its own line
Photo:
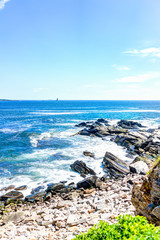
x=128 y=227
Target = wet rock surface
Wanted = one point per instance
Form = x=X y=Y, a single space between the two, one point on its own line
x=89 y=154
x=12 y=195
x=131 y=135
x=87 y=182
x=129 y=124
x=81 y=167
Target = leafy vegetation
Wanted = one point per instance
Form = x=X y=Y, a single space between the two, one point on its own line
x=127 y=227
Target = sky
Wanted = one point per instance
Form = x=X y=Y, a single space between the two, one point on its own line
x=80 y=49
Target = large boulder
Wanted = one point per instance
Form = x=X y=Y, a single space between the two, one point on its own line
x=146 y=196
x=139 y=167
x=55 y=187
x=81 y=167
x=147 y=159
x=12 y=195
x=114 y=166
x=87 y=182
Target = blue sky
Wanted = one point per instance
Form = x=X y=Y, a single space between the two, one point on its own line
x=80 y=49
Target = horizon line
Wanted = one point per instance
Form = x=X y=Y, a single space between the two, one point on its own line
x=78 y=100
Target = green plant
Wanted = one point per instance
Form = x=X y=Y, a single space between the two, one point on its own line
x=127 y=227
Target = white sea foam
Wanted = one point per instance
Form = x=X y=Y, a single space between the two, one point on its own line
x=64 y=124
x=35 y=138
x=150 y=123
x=8 y=130
x=43 y=169
x=56 y=113
x=16 y=128
x=133 y=110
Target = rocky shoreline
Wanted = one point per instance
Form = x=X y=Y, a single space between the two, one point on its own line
x=60 y=218
x=62 y=211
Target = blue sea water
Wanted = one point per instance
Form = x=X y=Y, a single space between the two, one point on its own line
x=37 y=144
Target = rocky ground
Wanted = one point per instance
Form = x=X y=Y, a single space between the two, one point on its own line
x=63 y=219
x=62 y=211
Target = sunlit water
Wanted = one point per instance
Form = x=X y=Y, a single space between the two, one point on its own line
x=37 y=144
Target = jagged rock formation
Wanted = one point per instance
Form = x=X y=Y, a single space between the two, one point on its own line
x=137 y=139
x=146 y=196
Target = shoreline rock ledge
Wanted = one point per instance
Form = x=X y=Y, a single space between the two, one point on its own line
x=146 y=196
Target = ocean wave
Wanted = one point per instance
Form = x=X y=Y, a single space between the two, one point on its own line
x=16 y=128
x=56 y=113
x=35 y=138
x=8 y=130
x=132 y=110
x=53 y=165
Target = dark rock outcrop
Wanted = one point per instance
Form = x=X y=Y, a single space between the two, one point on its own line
x=89 y=154
x=114 y=166
x=87 y=182
x=84 y=124
x=129 y=134
x=102 y=120
x=55 y=187
x=81 y=167
x=129 y=124
x=13 y=195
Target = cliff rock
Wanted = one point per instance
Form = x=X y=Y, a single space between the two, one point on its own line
x=146 y=196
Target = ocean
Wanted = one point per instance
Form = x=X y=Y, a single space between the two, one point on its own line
x=37 y=142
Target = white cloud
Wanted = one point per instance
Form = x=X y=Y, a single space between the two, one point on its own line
x=153 y=52
x=121 y=68
x=40 y=89
x=2 y=3
x=139 y=78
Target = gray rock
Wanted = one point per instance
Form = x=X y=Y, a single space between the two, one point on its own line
x=35 y=197
x=81 y=167
x=89 y=154
x=73 y=220
x=84 y=124
x=10 y=187
x=37 y=189
x=114 y=165
x=139 y=167
x=55 y=187
x=87 y=182
x=20 y=188
x=13 y=217
x=47 y=196
x=129 y=124
x=102 y=120
x=12 y=194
